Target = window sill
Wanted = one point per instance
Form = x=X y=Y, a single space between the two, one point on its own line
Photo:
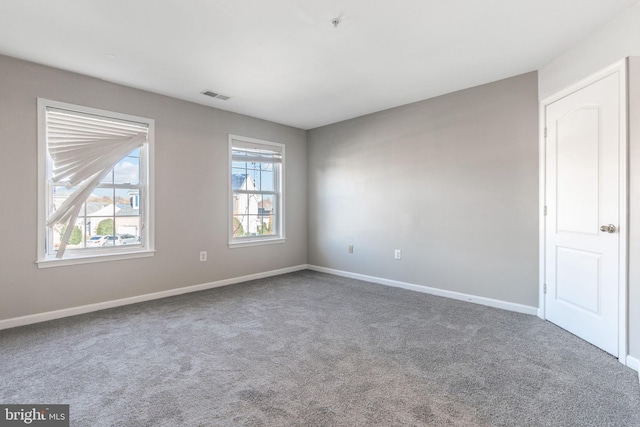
x=88 y=259
x=256 y=242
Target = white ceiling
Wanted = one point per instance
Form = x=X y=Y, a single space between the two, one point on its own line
x=282 y=60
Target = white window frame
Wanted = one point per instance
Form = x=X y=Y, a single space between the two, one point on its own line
x=147 y=217
x=238 y=242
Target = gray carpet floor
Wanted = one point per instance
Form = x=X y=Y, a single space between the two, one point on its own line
x=311 y=349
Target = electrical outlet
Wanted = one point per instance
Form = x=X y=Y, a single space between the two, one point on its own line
x=397 y=254
x=350 y=249
x=203 y=256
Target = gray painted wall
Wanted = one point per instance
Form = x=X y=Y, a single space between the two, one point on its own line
x=191 y=195
x=451 y=181
x=618 y=39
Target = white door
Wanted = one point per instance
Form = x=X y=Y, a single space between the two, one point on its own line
x=583 y=221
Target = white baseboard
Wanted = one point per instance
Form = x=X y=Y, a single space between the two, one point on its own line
x=519 y=308
x=58 y=314
x=634 y=364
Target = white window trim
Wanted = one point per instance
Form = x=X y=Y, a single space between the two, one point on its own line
x=43 y=260
x=262 y=240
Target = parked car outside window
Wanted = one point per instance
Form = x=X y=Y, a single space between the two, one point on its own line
x=127 y=239
x=96 y=241
x=113 y=240
x=117 y=240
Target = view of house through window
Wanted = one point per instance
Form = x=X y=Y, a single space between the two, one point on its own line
x=95 y=181
x=256 y=190
x=110 y=216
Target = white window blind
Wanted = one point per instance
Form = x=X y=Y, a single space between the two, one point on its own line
x=83 y=149
x=248 y=152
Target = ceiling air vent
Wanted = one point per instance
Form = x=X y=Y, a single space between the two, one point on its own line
x=215 y=95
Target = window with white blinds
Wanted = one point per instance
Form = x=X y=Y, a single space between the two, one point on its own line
x=256 y=191
x=95 y=198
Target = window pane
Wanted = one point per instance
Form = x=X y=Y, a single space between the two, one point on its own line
x=127 y=202
x=267 y=181
x=264 y=166
x=241 y=204
x=81 y=223
x=77 y=235
x=266 y=227
x=128 y=230
x=101 y=226
x=102 y=196
x=246 y=213
x=239 y=165
x=240 y=223
x=267 y=205
x=256 y=178
x=266 y=210
x=60 y=194
x=127 y=171
x=108 y=179
x=239 y=180
x=254 y=225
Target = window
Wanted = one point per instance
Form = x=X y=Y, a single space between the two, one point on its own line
x=95 y=199
x=256 y=191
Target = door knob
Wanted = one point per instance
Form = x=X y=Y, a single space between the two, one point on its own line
x=608 y=228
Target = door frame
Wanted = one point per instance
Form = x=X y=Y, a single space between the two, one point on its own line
x=621 y=68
